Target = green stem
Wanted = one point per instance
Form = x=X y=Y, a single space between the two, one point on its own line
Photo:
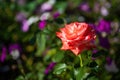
x=81 y=64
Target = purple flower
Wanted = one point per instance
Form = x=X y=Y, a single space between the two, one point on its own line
x=56 y=15
x=112 y=67
x=25 y=26
x=109 y=60
x=104 y=42
x=46 y=7
x=50 y=67
x=104 y=26
x=3 y=54
x=14 y=47
x=84 y=7
x=20 y=17
x=42 y=24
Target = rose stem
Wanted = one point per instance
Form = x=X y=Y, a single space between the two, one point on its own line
x=81 y=64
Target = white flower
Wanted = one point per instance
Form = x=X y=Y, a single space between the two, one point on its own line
x=15 y=54
x=32 y=20
x=52 y=2
x=104 y=11
x=45 y=16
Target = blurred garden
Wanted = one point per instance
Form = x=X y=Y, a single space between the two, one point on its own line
x=59 y=39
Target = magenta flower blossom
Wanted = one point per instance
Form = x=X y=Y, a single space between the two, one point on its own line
x=14 y=47
x=50 y=67
x=42 y=24
x=104 y=26
x=103 y=41
x=3 y=54
x=56 y=15
x=84 y=7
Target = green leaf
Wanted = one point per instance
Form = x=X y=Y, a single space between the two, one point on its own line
x=58 y=57
x=61 y=6
x=40 y=76
x=93 y=78
x=59 y=68
x=49 y=54
x=30 y=6
x=81 y=74
x=20 y=78
x=41 y=42
x=28 y=75
x=39 y=1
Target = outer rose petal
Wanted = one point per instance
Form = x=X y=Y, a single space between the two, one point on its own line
x=76 y=51
x=76 y=37
x=65 y=46
x=59 y=34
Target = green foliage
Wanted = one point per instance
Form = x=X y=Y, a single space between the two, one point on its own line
x=81 y=74
x=41 y=43
x=59 y=68
x=41 y=47
x=93 y=78
x=58 y=57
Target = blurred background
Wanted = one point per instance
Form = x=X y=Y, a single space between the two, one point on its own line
x=29 y=48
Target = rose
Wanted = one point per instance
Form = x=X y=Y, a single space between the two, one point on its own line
x=77 y=37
